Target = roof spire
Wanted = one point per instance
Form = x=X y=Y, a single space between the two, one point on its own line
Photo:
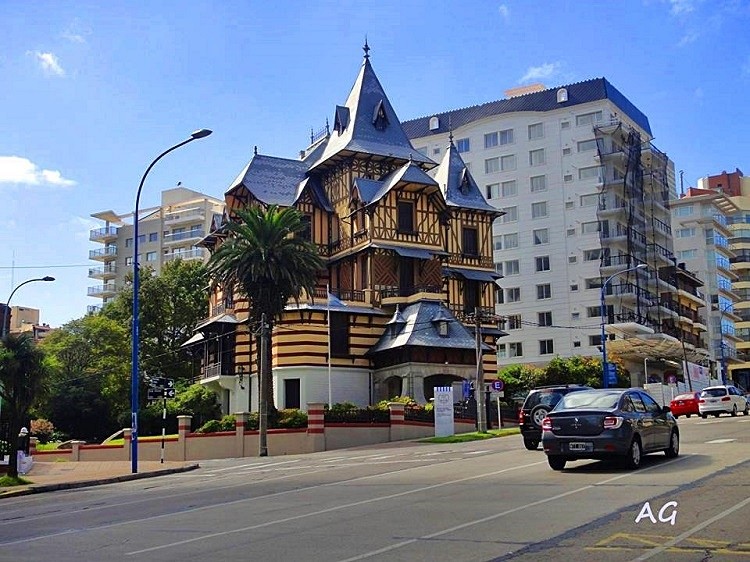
x=366 y=49
x=450 y=131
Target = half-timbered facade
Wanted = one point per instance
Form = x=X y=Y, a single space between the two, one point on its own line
x=409 y=271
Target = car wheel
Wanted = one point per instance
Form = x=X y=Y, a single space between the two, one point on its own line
x=634 y=455
x=704 y=416
x=734 y=410
x=747 y=410
x=530 y=444
x=717 y=414
x=677 y=417
x=688 y=415
x=556 y=462
x=538 y=413
x=674 y=445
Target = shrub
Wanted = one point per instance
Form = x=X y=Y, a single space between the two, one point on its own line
x=293 y=418
x=42 y=429
x=406 y=400
x=342 y=408
x=224 y=424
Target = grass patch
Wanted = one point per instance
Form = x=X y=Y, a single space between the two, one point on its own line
x=6 y=481
x=46 y=446
x=142 y=438
x=474 y=436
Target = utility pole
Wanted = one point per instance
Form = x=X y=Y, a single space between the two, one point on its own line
x=262 y=385
x=479 y=387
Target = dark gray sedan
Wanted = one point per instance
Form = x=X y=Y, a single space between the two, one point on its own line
x=608 y=423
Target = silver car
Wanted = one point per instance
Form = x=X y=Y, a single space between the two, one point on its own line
x=717 y=400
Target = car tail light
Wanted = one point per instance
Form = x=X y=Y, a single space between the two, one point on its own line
x=520 y=416
x=726 y=399
x=547 y=424
x=613 y=422
x=701 y=401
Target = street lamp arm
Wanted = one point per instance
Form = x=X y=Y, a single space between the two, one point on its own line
x=13 y=292
x=143 y=179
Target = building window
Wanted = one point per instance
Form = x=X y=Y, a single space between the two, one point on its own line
x=536 y=131
x=591 y=172
x=536 y=157
x=576 y=343
x=292 y=394
x=462 y=145
x=514 y=322
x=572 y=259
x=511 y=215
x=589 y=200
x=509 y=188
x=511 y=267
x=541 y=236
x=539 y=210
x=510 y=241
x=679 y=211
x=493 y=191
x=544 y=291
x=568 y=177
x=574 y=288
x=575 y=316
x=406 y=217
x=339 y=334
x=542 y=263
x=594 y=283
x=150 y=256
x=128 y=242
x=595 y=340
x=571 y=232
x=592 y=255
x=153 y=237
x=141 y=238
x=538 y=183
x=490 y=140
x=593 y=312
x=685 y=232
x=508 y=162
x=565 y=125
x=544 y=318
x=129 y=261
x=585 y=146
x=306 y=232
x=687 y=254
x=515 y=349
x=589 y=227
x=436 y=151
x=546 y=347
x=513 y=294
x=497 y=242
x=566 y=151
x=506 y=136
x=491 y=165
x=471 y=242
x=502 y=351
x=588 y=118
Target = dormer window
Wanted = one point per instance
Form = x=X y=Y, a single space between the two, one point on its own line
x=441 y=322
x=464 y=184
x=379 y=117
x=341 y=119
x=562 y=95
x=434 y=123
x=442 y=327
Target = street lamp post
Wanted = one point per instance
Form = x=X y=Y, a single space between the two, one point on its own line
x=5 y=315
x=603 y=312
x=721 y=342
x=134 y=378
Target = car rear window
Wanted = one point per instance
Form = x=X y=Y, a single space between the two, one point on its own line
x=714 y=392
x=684 y=397
x=547 y=397
x=576 y=400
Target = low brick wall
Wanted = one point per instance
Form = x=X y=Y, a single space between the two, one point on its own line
x=240 y=443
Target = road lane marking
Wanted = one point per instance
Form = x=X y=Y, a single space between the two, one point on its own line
x=253 y=466
x=689 y=532
x=330 y=509
x=476 y=453
x=503 y=514
x=719 y=441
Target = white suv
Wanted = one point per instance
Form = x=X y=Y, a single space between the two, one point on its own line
x=722 y=399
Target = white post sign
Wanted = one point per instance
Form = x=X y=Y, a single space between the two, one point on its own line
x=443 y=411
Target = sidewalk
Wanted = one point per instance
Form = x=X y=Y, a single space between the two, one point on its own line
x=50 y=476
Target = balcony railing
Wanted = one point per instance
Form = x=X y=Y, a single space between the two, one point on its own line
x=196 y=253
x=109 y=251
x=101 y=290
x=102 y=233
x=187 y=214
x=466 y=259
x=187 y=235
x=465 y=313
x=102 y=272
x=388 y=292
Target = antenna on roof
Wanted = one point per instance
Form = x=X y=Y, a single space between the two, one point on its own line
x=255 y=150
x=450 y=130
x=366 y=49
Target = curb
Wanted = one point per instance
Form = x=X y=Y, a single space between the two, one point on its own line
x=37 y=489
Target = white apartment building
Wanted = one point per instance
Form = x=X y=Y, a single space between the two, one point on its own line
x=169 y=231
x=585 y=196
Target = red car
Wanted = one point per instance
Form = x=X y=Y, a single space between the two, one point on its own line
x=685 y=404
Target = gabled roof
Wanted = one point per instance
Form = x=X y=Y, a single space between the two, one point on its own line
x=417 y=327
x=271 y=180
x=457 y=184
x=408 y=173
x=546 y=100
x=368 y=124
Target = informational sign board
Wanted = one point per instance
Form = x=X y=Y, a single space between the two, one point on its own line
x=443 y=411
x=697 y=373
x=611 y=373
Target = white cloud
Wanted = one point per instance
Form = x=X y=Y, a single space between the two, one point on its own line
x=546 y=70
x=76 y=32
x=689 y=37
x=49 y=62
x=680 y=7
x=17 y=170
x=504 y=11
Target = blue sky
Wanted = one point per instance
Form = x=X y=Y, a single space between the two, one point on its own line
x=93 y=91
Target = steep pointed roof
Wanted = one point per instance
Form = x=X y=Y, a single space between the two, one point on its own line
x=457 y=184
x=409 y=173
x=368 y=124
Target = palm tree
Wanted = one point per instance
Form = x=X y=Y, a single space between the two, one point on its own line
x=269 y=263
x=23 y=371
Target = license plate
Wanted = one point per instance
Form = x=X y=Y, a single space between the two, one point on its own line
x=580 y=447
x=680 y=403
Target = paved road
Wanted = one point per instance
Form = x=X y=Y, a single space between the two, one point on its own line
x=488 y=500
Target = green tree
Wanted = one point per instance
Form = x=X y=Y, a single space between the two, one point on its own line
x=269 y=262
x=171 y=304
x=23 y=373
x=90 y=382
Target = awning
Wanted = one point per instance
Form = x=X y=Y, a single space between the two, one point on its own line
x=407 y=252
x=472 y=274
x=218 y=319
x=195 y=339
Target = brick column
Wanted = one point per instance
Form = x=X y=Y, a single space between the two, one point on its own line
x=75 y=454
x=127 y=435
x=183 y=428
x=239 y=427
x=316 y=431
x=32 y=445
x=396 y=410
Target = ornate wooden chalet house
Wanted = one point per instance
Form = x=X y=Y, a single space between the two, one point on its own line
x=408 y=248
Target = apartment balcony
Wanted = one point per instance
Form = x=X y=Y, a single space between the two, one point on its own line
x=105 y=273
x=630 y=323
x=465 y=313
x=184 y=216
x=661 y=253
x=346 y=295
x=404 y=295
x=217 y=372
x=470 y=259
x=194 y=254
x=106 y=254
x=193 y=235
x=103 y=291
x=103 y=235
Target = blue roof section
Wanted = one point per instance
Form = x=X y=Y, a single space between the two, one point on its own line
x=272 y=180
x=367 y=189
x=408 y=173
x=578 y=93
x=451 y=174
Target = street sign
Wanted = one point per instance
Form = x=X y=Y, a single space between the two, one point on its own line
x=170 y=393
x=498 y=385
x=611 y=373
x=161 y=382
x=161 y=393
